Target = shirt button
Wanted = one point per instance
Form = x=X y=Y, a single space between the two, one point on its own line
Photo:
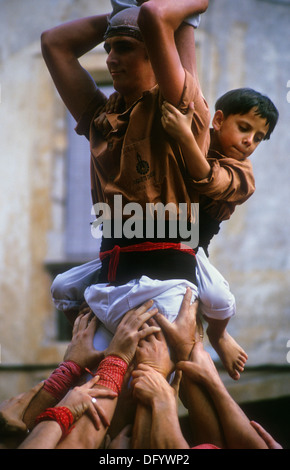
x=110 y=145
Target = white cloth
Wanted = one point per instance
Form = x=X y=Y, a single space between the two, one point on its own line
x=216 y=300
x=110 y=303
x=118 y=5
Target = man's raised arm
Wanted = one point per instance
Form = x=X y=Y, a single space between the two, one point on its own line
x=158 y=21
x=62 y=46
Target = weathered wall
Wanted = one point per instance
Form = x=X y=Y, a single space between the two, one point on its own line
x=32 y=135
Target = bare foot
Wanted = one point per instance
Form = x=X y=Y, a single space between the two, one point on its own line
x=231 y=354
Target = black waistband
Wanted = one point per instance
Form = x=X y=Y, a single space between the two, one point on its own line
x=158 y=264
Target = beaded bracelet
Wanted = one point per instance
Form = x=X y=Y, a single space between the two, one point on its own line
x=61 y=414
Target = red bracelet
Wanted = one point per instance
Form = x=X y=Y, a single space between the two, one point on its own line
x=62 y=415
x=62 y=378
x=111 y=371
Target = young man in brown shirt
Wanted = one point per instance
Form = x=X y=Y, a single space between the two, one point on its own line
x=131 y=154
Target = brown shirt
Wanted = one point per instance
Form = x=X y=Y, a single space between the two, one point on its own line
x=230 y=183
x=132 y=155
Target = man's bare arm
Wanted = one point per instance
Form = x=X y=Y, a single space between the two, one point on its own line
x=62 y=46
x=159 y=20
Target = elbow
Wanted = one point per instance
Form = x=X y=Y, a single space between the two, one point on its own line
x=150 y=15
x=204 y=6
x=46 y=42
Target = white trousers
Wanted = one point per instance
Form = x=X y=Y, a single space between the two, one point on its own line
x=110 y=303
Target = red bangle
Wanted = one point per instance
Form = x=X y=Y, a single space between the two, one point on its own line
x=62 y=378
x=62 y=415
x=111 y=371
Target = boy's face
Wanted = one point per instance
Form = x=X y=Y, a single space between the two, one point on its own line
x=129 y=65
x=239 y=134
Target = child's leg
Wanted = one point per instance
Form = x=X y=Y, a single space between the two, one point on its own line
x=217 y=305
x=68 y=288
x=230 y=352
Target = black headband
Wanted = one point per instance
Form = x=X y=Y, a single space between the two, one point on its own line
x=123 y=30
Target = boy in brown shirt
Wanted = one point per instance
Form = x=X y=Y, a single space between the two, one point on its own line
x=224 y=179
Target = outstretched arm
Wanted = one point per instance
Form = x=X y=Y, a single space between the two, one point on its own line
x=82 y=353
x=183 y=335
x=237 y=430
x=47 y=433
x=152 y=351
x=152 y=389
x=159 y=20
x=62 y=46
x=118 y=356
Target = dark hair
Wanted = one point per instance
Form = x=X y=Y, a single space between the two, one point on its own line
x=242 y=100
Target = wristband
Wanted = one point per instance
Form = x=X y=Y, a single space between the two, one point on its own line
x=62 y=415
x=62 y=378
x=112 y=370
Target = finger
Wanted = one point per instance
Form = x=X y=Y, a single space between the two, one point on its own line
x=134 y=313
x=100 y=414
x=148 y=314
x=141 y=315
x=76 y=324
x=84 y=320
x=158 y=334
x=90 y=384
x=187 y=368
x=93 y=413
x=191 y=108
x=97 y=392
x=93 y=324
x=163 y=322
x=186 y=301
x=169 y=107
x=144 y=308
x=260 y=430
x=148 y=332
x=141 y=370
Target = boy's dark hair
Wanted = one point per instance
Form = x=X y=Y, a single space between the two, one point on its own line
x=242 y=100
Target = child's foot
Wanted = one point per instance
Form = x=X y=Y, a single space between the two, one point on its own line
x=231 y=354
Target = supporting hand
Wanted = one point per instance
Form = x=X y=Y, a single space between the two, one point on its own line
x=81 y=348
x=181 y=334
x=130 y=332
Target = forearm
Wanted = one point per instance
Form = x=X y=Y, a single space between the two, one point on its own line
x=204 y=422
x=75 y=37
x=142 y=428
x=237 y=429
x=173 y=13
x=45 y=435
x=42 y=401
x=54 y=389
x=196 y=163
x=166 y=432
